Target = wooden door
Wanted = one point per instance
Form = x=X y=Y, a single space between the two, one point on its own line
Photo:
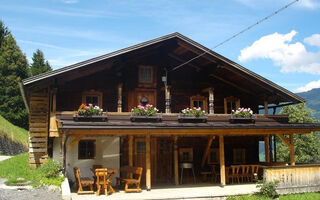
x=138 y=94
x=140 y=158
x=165 y=160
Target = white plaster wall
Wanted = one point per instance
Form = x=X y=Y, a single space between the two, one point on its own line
x=107 y=155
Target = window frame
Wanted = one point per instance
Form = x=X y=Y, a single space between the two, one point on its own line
x=199 y=97
x=231 y=100
x=86 y=157
x=215 y=151
x=188 y=151
x=153 y=76
x=86 y=94
x=242 y=151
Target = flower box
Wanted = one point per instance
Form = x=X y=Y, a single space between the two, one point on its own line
x=185 y=118
x=146 y=118
x=90 y=118
x=242 y=120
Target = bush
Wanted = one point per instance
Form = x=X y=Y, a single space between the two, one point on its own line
x=268 y=189
x=50 y=169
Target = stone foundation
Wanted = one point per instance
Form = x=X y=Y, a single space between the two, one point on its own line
x=8 y=147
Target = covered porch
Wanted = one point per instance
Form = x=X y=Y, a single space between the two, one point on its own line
x=157 y=146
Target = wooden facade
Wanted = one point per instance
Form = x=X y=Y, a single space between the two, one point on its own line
x=145 y=73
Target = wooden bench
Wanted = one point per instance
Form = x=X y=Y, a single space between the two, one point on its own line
x=83 y=182
x=133 y=177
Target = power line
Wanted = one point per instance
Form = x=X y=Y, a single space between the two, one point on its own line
x=237 y=34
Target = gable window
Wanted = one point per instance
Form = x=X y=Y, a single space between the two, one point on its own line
x=231 y=103
x=145 y=74
x=199 y=101
x=86 y=149
x=92 y=97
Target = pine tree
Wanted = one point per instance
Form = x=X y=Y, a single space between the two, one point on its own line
x=39 y=65
x=13 y=68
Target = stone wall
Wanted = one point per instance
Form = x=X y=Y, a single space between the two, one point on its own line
x=8 y=147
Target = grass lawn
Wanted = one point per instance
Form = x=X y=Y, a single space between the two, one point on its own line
x=13 y=132
x=304 y=196
x=18 y=167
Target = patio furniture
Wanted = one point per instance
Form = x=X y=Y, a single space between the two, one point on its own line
x=103 y=181
x=233 y=173
x=253 y=172
x=133 y=177
x=214 y=174
x=82 y=182
x=187 y=166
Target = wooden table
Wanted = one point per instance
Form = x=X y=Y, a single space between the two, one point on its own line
x=109 y=176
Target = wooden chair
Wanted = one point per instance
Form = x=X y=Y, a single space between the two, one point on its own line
x=245 y=176
x=82 y=182
x=254 y=171
x=133 y=175
x=233 y=173
x=214 y=174
x=103 y=181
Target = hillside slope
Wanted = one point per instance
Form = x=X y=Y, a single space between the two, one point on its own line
x=313 y=100
x=13 y=139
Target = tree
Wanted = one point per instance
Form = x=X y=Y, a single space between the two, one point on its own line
x=39 y=65
x=306 y=146
x=13 y=68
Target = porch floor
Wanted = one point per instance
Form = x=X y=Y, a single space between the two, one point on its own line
x=185 y=191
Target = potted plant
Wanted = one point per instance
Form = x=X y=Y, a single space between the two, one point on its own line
x=90 y=113
x=193 y=115
x=242 y=115
x=145 y=113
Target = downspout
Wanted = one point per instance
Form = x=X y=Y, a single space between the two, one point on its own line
x=23 y=96
x=64 y=163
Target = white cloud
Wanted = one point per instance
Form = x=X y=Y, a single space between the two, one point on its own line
x=309 y=4
x=309 y=86
x=313 y=4
x=313 y=40
x=291 y=57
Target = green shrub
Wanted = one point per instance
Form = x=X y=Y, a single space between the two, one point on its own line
x=50 y=169
x=268 y=189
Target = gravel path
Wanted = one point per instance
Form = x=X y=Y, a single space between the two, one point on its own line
x=36 y=194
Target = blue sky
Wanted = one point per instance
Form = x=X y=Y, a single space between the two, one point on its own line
x=284 y=49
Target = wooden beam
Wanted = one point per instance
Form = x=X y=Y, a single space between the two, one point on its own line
x=74 y=142
x=186 y=132
x=232 y=84
x=207 y=150
x=266 y=111
x=211 y=101
x=222 y=164
x=292 y=159
x=284 y=140
x=175 y=155
x=266 y=148
x=148 y=163
x=130 y=150
x=183 y=61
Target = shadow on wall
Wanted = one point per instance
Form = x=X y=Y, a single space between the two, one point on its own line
x=8 y=147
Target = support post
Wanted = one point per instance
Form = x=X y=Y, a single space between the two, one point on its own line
x=211 y=101
x=148 y=163
x=206 y=152
x=222 y=164
x=266 y=112
x=119 y=108
x=168 y=99
x=130 y=150
x=175 y=155
x=266 y=148
x=292 y=160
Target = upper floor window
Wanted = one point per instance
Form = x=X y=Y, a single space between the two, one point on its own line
x=146 y=76
x=87 y=149
x=199 y=101
x=92 y=97
x=231 y=103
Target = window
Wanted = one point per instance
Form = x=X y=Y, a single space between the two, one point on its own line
x=93 y=97
x=87 y=149
x=262 y=153
x=186 y=154
x=213 y=156
x=145 y=74
x=141 y=147
x=231 y=103
x=239 y=156
x=199 y=101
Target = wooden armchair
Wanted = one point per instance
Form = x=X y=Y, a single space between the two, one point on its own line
x=103 y=182
x=133 y=177
x=82 y=182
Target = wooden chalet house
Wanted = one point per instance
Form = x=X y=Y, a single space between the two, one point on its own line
x=146 y=73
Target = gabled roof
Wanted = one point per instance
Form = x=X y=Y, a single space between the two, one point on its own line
x=52 y=74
